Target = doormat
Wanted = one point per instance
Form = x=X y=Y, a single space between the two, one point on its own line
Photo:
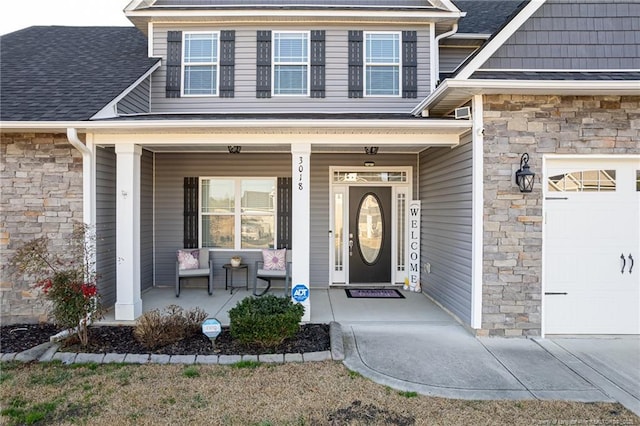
x=373 y=293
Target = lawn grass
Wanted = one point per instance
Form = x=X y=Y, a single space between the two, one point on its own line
x=322 y=393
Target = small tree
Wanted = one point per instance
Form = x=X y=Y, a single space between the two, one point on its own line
x=66 y=278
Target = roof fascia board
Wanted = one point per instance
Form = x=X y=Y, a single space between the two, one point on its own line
x=494 y=44
x=442 y=125
x=556 y=87
x=294 y=13
x=110 y=110
x=448 y=4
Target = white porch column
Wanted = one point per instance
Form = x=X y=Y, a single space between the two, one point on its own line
x=128 y=302
x=300 y=235
x=477 y=227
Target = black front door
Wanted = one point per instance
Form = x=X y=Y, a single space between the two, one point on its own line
x=369 y=235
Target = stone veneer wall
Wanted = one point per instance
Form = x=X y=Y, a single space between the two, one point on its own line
x=41 y=195
x=538 y=125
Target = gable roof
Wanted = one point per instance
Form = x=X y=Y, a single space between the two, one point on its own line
x=67 y=73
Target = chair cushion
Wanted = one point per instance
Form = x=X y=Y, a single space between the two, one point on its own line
x=274 y=260
x=271 y=273
x=188 y=259
x=193 y=272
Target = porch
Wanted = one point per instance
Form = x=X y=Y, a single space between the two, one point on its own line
x=326 y=305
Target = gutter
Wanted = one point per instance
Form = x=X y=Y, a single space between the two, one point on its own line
x=88 y=176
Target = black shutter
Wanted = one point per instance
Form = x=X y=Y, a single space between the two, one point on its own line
x=409 y=64
x=174 y=64
x=317 y=64
x=190 y=238
x=263 y=65
x=227 y=63
x=284 y=213
x=355 y=64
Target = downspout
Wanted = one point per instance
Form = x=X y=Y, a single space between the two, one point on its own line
x=436 y=56
x=88 y=174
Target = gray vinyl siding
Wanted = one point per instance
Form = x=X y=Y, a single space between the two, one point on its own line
x=136 y=101
x=452 y=57
x=445 y=191
x=320 y=197
x=146 y=220
x=106 y=224
x=172 y=168
x=572 y=35
x=244 y=100
x=170 y=171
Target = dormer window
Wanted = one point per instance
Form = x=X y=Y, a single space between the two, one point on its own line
x=291 y=63
x=382 y=64
x=200 y=63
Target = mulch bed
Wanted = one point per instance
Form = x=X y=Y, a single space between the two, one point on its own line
x=119 y=339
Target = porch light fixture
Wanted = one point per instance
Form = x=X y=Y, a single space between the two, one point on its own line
x=524 y=176
x=234 y=149
x=371 y=150
x=369 y=163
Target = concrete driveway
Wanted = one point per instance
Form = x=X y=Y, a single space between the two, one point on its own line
x=446 y=360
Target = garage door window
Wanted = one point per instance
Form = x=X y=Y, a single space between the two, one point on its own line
x=583 y=181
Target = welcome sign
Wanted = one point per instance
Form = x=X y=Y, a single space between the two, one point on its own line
x=414 y=245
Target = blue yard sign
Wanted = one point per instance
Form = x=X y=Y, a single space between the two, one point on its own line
x=300 y=293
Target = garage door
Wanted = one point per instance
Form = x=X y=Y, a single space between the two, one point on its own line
x=592 y=246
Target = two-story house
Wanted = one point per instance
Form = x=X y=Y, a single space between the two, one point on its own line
x=339 y=130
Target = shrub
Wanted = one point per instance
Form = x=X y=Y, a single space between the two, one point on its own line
x=66 y=277
x=154 y=330
x=265 y=321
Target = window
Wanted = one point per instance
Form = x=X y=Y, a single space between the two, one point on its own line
x=382 y=64
x=583 y=181
x=200 y=64
x=291 y=63
x=238 y=213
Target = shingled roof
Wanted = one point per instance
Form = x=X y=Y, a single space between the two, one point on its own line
x=67 y=73
x=486 y=16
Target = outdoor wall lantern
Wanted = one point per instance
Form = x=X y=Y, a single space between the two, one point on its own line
x=371 y=150
x=524 y=176
x=234 y=149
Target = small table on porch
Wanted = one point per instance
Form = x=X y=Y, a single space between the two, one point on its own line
x=228 y=275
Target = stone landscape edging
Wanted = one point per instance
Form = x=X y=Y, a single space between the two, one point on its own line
x=47 y=352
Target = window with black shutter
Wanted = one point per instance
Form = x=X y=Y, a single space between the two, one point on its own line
x=409 y=64
x=227 y=63
x=174 y=64
x=191 y=228
x=355 y=64
x=263 y=64
x=318 y=64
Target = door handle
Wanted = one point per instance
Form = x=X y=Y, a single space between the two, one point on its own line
x=624 y=263
x=631 y=259
x=350 y=247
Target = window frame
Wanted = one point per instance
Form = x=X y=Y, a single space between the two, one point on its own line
x=184 y=64
x=366 y=64
x=307 y=64
x=237 y=211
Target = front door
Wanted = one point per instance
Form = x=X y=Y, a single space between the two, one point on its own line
x=369 y=235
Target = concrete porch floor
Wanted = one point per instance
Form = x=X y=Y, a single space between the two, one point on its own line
x=326 y=305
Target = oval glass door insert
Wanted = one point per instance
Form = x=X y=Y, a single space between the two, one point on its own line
x=370 y=229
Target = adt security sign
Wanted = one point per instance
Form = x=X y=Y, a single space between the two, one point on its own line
x=300 y=293
x=211 y=328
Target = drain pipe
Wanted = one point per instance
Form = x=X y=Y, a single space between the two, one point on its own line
x=436 y=57
x=87 y=176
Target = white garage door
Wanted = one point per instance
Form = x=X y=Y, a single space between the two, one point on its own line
x=592 y=246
